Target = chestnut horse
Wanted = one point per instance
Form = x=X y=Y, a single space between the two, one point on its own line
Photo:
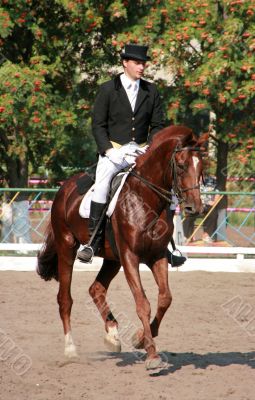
x=142 y=227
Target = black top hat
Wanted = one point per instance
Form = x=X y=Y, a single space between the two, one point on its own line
x=135 y=52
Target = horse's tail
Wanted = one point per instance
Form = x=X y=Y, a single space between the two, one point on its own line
x=47 y=258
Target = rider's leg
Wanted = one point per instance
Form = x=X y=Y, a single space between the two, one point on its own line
x=104 y=173
x=86 y=254
x=106 y=169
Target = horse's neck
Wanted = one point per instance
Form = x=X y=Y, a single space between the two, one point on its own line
x=155 y=166
x=152 y=166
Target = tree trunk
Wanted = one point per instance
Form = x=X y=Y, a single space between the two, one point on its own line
x=17 y=175
x=222 y=165
x=222 y=172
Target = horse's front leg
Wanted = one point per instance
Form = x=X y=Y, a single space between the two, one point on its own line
x=98 y=291
x=130 y=264
x=66 y=258
x=160 y=273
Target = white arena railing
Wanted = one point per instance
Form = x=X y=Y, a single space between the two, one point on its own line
x=189 y=250
x=217 y=250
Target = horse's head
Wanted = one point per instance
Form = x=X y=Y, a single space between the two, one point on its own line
x=175 y=155
x=187 y=172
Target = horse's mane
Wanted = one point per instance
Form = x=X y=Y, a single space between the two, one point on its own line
x=175 y=134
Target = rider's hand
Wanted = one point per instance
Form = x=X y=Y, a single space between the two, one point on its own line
x=137 y=151
x=114 y=155
x=142 y=150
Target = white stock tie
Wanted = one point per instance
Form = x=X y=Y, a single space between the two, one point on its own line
x=133 y=94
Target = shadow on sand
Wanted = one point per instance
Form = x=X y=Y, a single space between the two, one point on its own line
x=175 y=361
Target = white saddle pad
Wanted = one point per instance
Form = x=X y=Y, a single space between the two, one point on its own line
x=84 y=209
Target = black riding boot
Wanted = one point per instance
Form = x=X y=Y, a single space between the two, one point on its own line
x=87 y=253
x=174 y=260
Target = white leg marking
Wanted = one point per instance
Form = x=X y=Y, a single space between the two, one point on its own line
x=112 y=339
x=70 y=348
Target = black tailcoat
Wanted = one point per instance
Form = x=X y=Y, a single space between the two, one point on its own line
x=114 y=120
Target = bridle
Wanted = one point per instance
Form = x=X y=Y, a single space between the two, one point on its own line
x=163 y=193
x=176 y=188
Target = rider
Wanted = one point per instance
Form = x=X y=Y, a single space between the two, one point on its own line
x=127 y=113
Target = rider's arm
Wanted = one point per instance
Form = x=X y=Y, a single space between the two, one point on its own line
x=100 y=120
x=157 y=118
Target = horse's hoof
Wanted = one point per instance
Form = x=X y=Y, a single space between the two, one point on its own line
x=114 y=347
x=112 y=340
x=138 y=340
x=70 y=348
x=71 y=353
x=153 y=363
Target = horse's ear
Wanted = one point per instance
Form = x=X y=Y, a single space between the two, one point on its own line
x=203 y=139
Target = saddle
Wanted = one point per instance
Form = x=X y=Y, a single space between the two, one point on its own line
x=85 y=187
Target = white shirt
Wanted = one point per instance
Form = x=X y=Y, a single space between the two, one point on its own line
x=131 y=88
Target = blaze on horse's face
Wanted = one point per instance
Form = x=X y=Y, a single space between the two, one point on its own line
x=189 y=172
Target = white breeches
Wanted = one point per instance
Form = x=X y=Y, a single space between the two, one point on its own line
x=106 y=169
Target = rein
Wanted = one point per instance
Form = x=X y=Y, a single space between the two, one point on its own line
x=163 y=193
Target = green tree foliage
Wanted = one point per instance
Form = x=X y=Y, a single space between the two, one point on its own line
x=56 y=52
x=44 y=111
x=208 y=48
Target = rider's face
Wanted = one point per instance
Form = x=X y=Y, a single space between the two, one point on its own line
x=134 y=68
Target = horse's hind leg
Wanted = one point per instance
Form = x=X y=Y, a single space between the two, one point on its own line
x=66 y=256
x=98 y=291
x=160 y=273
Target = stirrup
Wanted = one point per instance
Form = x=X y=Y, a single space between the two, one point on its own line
x=86 y=254
x=174 y=259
